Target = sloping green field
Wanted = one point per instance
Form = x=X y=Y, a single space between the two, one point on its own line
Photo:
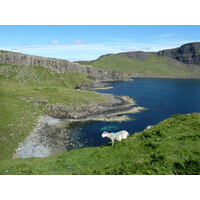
x=152 y=66
x=21 y=88
x=171 y=147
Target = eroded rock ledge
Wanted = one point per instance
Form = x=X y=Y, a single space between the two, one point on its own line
x=106 y=111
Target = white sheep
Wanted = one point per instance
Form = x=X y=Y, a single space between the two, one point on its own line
x=148 y=127
x=119 y=136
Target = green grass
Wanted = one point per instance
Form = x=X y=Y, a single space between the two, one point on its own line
x=152 y=66
x=171 y=147
x=42 y=76
x=17 y=116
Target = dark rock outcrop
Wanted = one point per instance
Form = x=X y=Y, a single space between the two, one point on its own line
x=58 y=65
x=187 y=53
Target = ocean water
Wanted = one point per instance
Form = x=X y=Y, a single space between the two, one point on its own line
x=162 y=97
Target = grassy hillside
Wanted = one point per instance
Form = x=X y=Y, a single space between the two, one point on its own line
x=152 y=66
x=22 y=91
x=171 y=147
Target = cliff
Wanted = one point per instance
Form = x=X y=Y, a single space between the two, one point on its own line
x=58 y=65
x=187 y=53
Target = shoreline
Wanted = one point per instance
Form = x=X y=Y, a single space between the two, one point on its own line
x=117 y=105
x=165 y=77
x=54 y=135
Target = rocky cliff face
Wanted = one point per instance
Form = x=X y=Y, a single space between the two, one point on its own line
x=58 y=65
x=187 y=53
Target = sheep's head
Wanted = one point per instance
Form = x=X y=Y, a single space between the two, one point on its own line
x=105 y=134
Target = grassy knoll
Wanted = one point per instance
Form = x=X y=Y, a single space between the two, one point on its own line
x=20 y=86
x=152 y=66
x=171 y=147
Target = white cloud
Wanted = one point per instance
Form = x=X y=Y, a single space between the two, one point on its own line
x=164 y=35
x=55 y=42
x=79 y=41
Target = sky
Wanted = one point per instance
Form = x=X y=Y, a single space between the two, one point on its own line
x=89 y=42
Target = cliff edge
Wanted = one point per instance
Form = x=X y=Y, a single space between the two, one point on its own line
x=59 y=65
x=188 y=53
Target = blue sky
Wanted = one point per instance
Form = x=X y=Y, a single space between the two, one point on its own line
x=90 y=42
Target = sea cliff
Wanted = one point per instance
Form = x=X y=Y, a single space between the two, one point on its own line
x=59 y=65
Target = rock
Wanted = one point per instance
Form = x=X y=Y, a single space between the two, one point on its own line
x=77 y=88
x=104 y=111
x=59 y=65
x=148 y=127
x=187 y=53
x=32 y=99
x=47 y=139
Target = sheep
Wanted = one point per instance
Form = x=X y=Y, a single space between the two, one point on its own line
x=119 y=136
x=148 y=127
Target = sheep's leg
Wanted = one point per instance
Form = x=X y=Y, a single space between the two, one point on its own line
x=113 y=142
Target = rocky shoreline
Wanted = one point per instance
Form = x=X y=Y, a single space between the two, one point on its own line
x=166 y=77
x=53 y=132
x=117 y=105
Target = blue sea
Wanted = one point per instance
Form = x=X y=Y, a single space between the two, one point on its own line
x=162 y=97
